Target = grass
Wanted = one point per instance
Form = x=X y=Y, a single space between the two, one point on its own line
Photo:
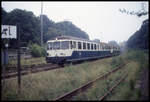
x=127 y=90
x=51 y=84
x=117 y=61
x=100 y=87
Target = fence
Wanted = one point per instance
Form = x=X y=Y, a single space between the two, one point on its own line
x=12 y=54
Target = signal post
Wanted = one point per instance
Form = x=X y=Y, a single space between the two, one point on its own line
x=11 y=32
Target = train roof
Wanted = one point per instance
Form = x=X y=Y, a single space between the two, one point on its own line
x=76 y=38
x=71 y=37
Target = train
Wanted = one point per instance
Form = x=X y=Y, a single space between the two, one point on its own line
x=66 y=49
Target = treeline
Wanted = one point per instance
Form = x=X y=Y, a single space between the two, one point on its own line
x=30 y=27
x=140 y=39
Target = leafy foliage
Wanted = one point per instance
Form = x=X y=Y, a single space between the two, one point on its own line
x=37 y=51
x=4 y=14
x=140 y=38
x=117 y=61
x=46 y=24
x=140 y=13
x=27 y=26
x=68 y=28
x=30 y=27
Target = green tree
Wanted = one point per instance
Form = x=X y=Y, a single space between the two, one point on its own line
x=47 y=23
x=27 y=23
x=36 y=50
x=140 y=38
x=30 y=27
x=140 y=13
x=4 y=14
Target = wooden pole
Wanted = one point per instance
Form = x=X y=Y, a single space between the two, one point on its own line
x=19 y=64
x=4 y=64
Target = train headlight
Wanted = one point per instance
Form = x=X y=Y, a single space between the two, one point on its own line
x=48 y=54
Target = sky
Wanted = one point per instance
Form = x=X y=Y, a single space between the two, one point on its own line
x=100 y=20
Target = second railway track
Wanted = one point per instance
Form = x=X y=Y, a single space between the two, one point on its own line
x=113 y=87
x=76 y=91
x=31 y=70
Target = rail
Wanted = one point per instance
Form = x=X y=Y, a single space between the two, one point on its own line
x=112 y=88
x=85 y=86
x=35 y=70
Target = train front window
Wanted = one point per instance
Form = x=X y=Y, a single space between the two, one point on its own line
x=49 y=46
x=65 y=45
x=56 y=45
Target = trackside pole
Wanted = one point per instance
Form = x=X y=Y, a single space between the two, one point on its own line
x=19 y=64
x=3 y=66
x=5 y=60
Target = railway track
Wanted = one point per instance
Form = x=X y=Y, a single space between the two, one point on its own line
x=76 y=91
x=31 y=70
x=25 y=68
x=25 y=71
x=113 y=87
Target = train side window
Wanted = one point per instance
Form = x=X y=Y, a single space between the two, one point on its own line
x=100 y=47
x=84 y=45
x=91 y=46
x=79 y=45
x=95 y=46
x=88 y=46
x=74 y=44
x=103 y=47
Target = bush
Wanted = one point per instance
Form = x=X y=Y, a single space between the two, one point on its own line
x=117 y=61
x=36 y=50
x=141 y=56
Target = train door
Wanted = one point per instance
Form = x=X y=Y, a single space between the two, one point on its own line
x=79 y=50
